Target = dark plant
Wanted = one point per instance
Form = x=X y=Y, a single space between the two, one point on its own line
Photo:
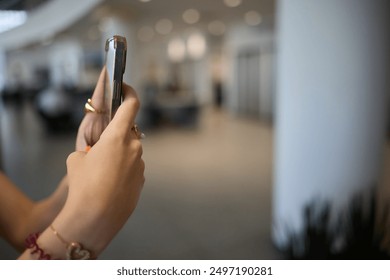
x=360 y=231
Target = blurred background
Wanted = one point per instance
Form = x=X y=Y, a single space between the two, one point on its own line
x=266 y=120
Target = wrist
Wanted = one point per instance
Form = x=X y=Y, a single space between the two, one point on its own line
x=42 y=247
x=50 y=245
x=68 y=237
x=87 y=228
x=70 y=231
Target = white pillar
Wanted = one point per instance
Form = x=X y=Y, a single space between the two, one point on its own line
x=3 y=70
x=66 y=63
x=333 y=86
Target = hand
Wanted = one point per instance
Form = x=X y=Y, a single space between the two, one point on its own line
x=93 y=124
x=105 y=183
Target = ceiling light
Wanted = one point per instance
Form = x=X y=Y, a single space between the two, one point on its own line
x=145 y=34
x=216 y=27
x=144 y=1
x=176 y=50
x=11 y=19
x=164 y=26
x=253 y=18
x=196 y=45
x=232 y=3
x=191 y=16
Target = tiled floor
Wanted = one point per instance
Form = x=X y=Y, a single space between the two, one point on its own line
x=207 y=193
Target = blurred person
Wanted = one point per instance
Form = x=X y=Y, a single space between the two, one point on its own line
x=93 y=201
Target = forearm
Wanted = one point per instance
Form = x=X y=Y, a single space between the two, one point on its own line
x=20 y=216
x=14 y=210
x=44 y=211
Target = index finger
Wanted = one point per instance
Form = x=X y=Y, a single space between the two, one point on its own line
x=98 y=93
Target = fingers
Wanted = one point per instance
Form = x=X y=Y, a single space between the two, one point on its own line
x=124 y=118
x=94 y=128
x=127 y=112
x=98 y=94
x=80 y=139
x=73 y=160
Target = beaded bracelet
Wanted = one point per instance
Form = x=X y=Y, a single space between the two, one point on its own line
x=31 y=243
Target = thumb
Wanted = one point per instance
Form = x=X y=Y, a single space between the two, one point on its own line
x=74 y=160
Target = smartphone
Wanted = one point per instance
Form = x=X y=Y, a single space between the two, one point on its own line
x=116 y=49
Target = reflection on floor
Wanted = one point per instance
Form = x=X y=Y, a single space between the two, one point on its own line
x=207 y=193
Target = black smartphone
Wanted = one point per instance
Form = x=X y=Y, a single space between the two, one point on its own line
x=116 y=48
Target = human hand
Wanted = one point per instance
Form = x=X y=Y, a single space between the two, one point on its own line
x=93 y=124
x=105 y=183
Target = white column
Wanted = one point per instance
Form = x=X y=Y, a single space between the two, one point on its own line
x=3 y=70
x=333 y=87
x=66 y=63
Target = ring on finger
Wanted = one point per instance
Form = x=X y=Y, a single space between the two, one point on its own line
x=89 y=108
x=138 y=133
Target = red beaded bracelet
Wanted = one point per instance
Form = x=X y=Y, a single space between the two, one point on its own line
x=31 y=243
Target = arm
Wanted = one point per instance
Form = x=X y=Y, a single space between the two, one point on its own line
x=14 y=209
x=29 y=216
x=20 y=216
x=104 y=187
x=44 y=211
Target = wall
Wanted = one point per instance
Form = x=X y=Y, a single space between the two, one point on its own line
x=240 y=39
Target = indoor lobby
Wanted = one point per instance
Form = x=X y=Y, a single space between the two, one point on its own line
x=266 y=121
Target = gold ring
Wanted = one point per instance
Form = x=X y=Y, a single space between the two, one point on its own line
x=88 y=108
x=138 y=133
